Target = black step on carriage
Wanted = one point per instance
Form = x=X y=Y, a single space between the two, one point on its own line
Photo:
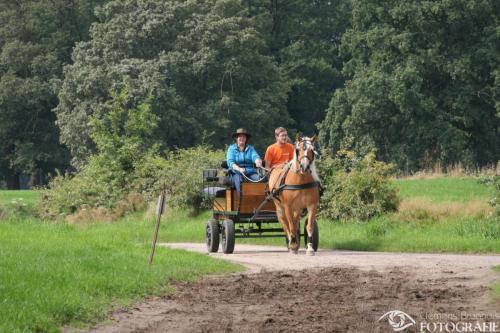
x=251 y=214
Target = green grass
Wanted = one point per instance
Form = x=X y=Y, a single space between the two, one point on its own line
x=458 y=234
x=455 y=235
x=18 y=203
x=52 y=274
x=30 y=197
x=55 y=274
x=444 y=189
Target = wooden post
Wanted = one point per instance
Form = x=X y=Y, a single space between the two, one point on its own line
x=160 y=207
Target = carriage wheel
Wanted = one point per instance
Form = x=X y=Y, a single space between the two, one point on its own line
x=315 y=240
x=212 y=235
x=228 y=236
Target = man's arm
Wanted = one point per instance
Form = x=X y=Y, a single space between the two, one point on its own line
x=268 y=157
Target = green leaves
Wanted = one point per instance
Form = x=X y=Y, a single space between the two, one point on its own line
x=356 y=187
x=202 y=65
x=35 y=42
x=420 y=72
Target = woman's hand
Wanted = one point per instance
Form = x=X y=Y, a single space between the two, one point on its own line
x=238 y=168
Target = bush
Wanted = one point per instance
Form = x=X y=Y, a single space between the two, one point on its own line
x=180 y=174
x=495 y=201
x=356 y=188
x=105 y=190
x=123 y=136
x=494 y=181
x=101 y=183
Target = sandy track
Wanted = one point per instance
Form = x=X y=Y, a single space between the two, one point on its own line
x=334 y=291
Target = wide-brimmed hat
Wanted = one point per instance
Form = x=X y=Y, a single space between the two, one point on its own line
x=241 y=131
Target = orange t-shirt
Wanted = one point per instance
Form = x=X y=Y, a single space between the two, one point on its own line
x=279 y=154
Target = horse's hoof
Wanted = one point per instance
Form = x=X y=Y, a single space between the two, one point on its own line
x=292 y=251
x=310 y=250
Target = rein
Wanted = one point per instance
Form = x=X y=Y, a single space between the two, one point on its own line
x=258 y=180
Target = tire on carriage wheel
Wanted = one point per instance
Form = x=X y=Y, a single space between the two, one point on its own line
x=228 y=236
x=212 y=235
x=315 y=240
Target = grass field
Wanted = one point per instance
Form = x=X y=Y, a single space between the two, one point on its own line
x=444 y=189
x=9 y=197
x=425 y=228
x=54 y=274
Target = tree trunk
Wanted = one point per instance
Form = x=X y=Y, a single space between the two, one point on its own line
x=36 y=179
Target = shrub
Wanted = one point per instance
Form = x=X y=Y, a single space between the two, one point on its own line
x=356 y=188
x=495 y=201
x=101 y=183
x=123 y=136
x=180 y=173
x=104 y=190
x=494 y=181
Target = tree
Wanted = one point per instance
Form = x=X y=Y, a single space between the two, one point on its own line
x=424 y=83
x=202 y=62
x=35 y=42
x=304 y=37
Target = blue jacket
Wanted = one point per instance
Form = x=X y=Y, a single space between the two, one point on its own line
x=244 y=159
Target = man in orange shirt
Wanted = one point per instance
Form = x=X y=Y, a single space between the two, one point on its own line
x=280 y=152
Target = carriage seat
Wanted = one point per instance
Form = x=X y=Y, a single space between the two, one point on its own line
x=215 y=191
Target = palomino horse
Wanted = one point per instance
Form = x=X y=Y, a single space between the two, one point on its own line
x=294 y=187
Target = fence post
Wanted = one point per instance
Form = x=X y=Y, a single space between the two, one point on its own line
x=160 y=207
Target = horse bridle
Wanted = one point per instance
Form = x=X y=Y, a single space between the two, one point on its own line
x=304 y=148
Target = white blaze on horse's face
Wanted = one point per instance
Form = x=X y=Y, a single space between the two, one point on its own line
x=304 y=151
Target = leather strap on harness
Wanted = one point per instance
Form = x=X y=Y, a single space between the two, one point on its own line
x=298 y=187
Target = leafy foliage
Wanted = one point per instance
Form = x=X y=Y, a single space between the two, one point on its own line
x=35 y=42
x=495 y=201
x=127 y=162
x=179 y=173
x=424 y=84
x=356 y=188
x=203 y=64
x=123 y=137
x=304 y=37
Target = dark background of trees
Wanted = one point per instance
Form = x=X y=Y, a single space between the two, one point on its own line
x=416 y=80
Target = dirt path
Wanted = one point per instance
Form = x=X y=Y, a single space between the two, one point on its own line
x=334 y=291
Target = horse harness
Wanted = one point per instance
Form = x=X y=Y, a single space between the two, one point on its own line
x=275 y=192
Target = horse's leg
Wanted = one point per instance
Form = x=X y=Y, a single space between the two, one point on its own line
x=311 y=215
x=282 y=218
x=293 y=244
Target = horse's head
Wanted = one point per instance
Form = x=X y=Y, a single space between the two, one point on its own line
x=304 y=152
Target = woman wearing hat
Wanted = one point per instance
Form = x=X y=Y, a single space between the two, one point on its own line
x=240 y=158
